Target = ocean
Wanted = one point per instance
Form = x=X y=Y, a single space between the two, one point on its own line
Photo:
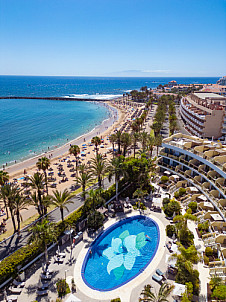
x=29 y=127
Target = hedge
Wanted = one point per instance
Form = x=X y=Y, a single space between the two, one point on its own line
x=9 y=265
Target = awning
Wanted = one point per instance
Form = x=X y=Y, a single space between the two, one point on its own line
x=216 y=217
x=167 y=172
x=202 y=198
x=194 y=190
x=208 y=205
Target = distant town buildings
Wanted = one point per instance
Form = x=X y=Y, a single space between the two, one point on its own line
x=172 y=83
x=204 y=114
x=222 y=81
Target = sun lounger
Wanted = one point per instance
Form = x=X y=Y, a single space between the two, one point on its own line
x=15 y=290
x=157 y=278
x=61 y=254
x=43 y=286
x=159 y=272
x=18 y=284
x=42 y=292
x=45 y=277
x=58 y=260
x=12 y=299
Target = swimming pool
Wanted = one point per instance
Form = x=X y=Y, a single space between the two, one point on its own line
x=120 y=253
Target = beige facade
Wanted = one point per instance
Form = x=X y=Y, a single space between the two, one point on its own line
x=204 y=114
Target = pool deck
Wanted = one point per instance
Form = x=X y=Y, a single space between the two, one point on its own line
x=125 y=291
x=129 y=292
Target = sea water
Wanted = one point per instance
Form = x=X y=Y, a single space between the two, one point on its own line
x=28 y=127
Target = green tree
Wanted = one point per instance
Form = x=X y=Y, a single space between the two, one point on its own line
x=84 y=178
x=219 y=292
x=162 y=295
x=118 y=140
x=214 y=282
x=42 y=233
x=151 y=144
x=135 y=139
x=96 y=141
x=115 y=169
x=144 y=140
x=75 y=150
x=20 y=203
x=43 y=164
x=37 y=181
x=94 y=200
x=4 y=178
x=10 y=193
x=98 y=167
x=125 y=142
x=158 y=142
x=113 y=139
x=61 y=200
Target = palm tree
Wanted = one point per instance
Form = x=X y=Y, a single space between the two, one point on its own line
x=61 y=200
x=37 y=181
x=20 y=203
x=10 y=193
x=118 y=140
x=4 y=178
x=173 y=126
x=150 y=144
x=215 y=281
x=125 y=142
x=135 y=139
x=115 y=169
x=144 y=139
x=139 y=193
x=98 y=168
x=162 y=295
x=34 y=201
x=84 y=178
x=158 y=142
x=96 y=141
x=95 y=198
x=43 y=233
x=113 y=139
x=44 y=164
x=75 y=150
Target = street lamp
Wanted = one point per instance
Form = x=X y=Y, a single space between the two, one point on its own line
x=66 y=273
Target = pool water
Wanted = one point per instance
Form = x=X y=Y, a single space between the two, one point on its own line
x=120 y=253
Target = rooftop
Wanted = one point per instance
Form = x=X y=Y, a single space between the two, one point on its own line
x=204 y=95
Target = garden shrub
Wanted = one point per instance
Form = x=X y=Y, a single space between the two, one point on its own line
x=116 y=300
x=219 y=292
x=176 y=195
x=193 y=206
x=182 y=192
x=164 y=179
x=172 y=207
x=95 y=220
x=208 y=251
x=170 y=230
x=206 y=260
x=165 y=201
x=9 y=265
x=62 y=288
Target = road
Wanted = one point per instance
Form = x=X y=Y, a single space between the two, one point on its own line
x=13 y=243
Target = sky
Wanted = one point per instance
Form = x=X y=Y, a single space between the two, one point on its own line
x=113 y=37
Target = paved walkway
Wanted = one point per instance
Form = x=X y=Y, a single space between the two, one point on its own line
x=203 y=270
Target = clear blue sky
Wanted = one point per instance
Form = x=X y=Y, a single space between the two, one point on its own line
x=113 y=37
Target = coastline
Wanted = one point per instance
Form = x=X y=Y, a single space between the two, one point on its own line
x=103 y=129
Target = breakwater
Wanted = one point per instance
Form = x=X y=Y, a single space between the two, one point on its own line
x=52 y=98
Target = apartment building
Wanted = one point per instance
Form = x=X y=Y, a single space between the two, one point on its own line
x=204 y=114
x=201 y=162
